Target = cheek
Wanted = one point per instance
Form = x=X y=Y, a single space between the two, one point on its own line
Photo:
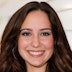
x=23 y=43
x=48 y=43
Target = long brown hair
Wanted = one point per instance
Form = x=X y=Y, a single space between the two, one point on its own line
x=10 y=60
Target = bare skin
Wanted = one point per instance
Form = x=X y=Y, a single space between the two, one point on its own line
x=36 y=43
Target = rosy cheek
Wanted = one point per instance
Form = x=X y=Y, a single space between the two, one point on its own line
x=49 y=44
x=23 y=43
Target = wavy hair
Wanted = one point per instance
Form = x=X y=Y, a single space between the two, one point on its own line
x=10 y=60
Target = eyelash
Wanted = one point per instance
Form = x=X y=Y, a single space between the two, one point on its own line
x=26 y=34
x=45 y=33
x=42 y=34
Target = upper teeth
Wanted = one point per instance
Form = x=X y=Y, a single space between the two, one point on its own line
x=35 y=53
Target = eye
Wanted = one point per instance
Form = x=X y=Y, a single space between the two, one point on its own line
x=45 y=34
x=26 y=33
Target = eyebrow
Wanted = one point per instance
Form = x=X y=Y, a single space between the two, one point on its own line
x=25 y=29
x=31 y=29
x=45 y=29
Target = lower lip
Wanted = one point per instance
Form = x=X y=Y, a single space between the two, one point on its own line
x=36 y=55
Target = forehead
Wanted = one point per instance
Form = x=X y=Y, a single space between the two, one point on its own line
x=36 y=19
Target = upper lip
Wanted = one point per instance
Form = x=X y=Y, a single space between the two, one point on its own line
x=36 y=50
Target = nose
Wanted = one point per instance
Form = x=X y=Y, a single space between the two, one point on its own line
x=36 y=41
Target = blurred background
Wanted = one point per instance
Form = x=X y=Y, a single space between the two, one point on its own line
x=62 y=7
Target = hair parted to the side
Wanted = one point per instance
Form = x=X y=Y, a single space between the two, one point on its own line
x=61 y=59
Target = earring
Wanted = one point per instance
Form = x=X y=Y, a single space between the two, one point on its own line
x=13 y=52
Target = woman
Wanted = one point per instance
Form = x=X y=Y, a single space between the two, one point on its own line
x=34 y=41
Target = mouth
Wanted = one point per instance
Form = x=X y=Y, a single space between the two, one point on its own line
x=36 y=53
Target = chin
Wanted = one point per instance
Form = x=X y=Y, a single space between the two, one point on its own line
x=37 y=64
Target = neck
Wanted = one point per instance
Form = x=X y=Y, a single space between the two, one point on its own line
x=36 y=69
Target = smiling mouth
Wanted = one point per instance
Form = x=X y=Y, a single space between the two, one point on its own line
x=36 y=53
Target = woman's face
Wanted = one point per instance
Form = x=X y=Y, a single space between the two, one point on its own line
x=35 y=43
